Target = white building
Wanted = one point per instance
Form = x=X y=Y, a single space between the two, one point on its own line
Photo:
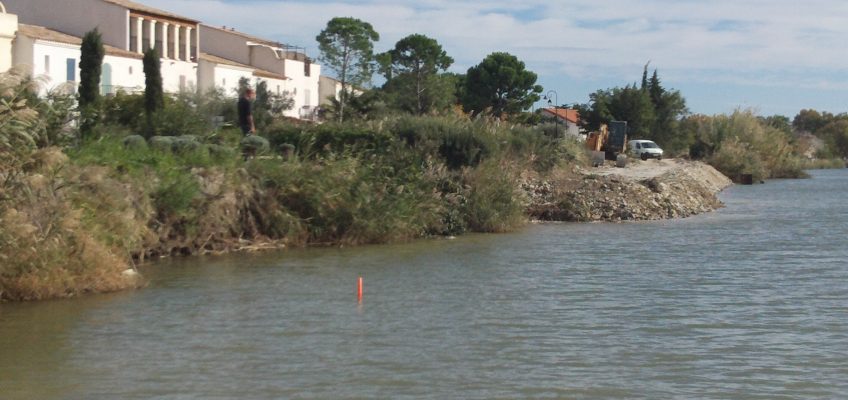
x=44 y=37
x=124 y=25
x=8 y=26
x=284 y=68
x=568 y=118
x=328 y=88
x=55 y=55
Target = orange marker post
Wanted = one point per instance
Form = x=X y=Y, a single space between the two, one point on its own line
x=359 y=290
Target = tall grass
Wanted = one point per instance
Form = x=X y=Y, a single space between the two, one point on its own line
x=740 y=143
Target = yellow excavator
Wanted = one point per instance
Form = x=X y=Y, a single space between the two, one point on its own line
x=608 y=142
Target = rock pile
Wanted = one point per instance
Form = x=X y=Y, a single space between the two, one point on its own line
x=684 y=191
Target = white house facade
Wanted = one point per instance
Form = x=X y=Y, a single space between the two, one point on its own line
x=55 y=57
x=284 y=68
x=44 y=37
x=8 y=27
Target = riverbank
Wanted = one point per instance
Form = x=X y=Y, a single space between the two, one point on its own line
x=81 y=222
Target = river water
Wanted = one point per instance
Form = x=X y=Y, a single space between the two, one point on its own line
x=749 y=302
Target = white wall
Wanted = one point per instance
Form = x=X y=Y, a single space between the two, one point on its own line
x=227 y=77
x=304 y=89
x=205 y=75
x=50 y=60
x=178 y=75
x=225 y=44
x=327 y=88
x=8 y=27
x=22 y=53
x=127 y=74
x=75 y=17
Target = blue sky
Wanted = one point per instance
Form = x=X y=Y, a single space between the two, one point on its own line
x=774 y=56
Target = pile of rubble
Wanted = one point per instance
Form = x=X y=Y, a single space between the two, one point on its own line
x=687 y=189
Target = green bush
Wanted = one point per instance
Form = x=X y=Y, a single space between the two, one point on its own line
x=186 y=144
x=162 y=143
x=494 y=203
x=255 y=145
x=135 y=142
x=313 y=141
x=456 y=141
x=348 y=200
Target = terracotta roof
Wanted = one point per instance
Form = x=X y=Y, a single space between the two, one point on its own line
x=256 y=71
x=148 y=10
x=49 y=35
x=564 y=114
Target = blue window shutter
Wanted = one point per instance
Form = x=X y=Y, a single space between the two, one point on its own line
x=72 y=70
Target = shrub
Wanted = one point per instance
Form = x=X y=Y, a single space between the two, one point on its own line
x=456 y=141
x=135 y=142
x=313 y=141
x=494 y=203
x=162 y=143
x=741 y=143
x=254 y=145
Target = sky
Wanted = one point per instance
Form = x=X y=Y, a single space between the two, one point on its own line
x=772 y=56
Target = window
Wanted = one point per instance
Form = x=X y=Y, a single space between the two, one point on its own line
x=72 y=70
x=224 y=82
x=131 y=70
x=307 y=97
x=278 y=90
x=307 y=68
x=182 y=82
x=46 y=64
x=106 y=79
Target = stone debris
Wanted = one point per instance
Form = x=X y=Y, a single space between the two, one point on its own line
x=685 y=189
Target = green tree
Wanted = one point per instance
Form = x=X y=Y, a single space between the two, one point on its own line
x=835 y=135
x=651 y=111
x=501 y=84
x=91 y=65
x=810 y=121
x=630 y=103
x=347 y=48
x=412 y=73
x=154 y=97
x=669 y=108
x=780 y=122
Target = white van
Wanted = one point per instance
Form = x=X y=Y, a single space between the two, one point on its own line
x=645 y=149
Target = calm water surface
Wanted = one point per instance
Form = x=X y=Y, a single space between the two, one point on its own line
x=750 y=302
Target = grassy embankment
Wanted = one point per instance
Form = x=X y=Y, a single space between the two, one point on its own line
x=71 y=220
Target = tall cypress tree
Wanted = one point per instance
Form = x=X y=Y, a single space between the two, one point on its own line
x=154 y=99
x=91 y=66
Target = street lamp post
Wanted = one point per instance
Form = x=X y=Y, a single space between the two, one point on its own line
x=556 y=109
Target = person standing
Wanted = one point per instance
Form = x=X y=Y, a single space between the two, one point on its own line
x=245 y=112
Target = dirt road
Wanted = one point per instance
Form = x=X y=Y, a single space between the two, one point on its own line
x=674 y=169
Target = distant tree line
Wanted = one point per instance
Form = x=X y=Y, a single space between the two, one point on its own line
x=831 y=128
x=416 y=77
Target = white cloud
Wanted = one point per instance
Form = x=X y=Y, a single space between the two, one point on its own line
x=757 y=42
